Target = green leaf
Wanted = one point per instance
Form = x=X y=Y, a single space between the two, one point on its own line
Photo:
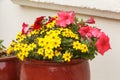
x=1 y=45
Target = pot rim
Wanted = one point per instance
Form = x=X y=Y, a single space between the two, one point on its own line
x=7 y=58
x=44 y=62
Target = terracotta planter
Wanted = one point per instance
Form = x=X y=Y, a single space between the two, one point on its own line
x=9 y=68
x=43 y=70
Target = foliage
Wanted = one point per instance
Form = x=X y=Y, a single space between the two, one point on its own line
x=1 y=45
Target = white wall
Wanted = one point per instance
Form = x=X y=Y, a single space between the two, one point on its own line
x=105 y=67
x=12 y=16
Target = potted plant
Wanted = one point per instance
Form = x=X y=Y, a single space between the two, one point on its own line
x=8 y=64
x=59 y=47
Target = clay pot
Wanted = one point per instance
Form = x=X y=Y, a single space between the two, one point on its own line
x=77 y=69
x=9 y=69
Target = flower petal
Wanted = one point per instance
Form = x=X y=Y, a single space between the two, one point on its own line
x=65 y=18
x=103 y=44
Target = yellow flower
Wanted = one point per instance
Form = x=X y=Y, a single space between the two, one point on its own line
x=25 y=51
x=56 y=41
x=57 y=32
x=34 y=32
x=50 y=25
x=18 y=35
x=84 y=48
x=53 y=32
x=48 y=48
x=20 y=56
x=41 y=42
x=76 y=36
x=9 y=50
x=32 y=46
x=77 y=45
x=56 y=17
x=67 y=56
x=57 y=53
x=17 y=47
x=42 y=30
x=49 y=32
x=52 y=39
x=11 y=47
x=49 y=54
x=69 y=33
x=40 y=51
x=13 y=43
x=47 y=43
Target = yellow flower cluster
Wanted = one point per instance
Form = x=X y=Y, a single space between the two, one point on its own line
x=68 y=33
x=20 y=37
x=79 y=46
x=51 y=24
x=24 y=49
x=10 y=48
x=48 y=43
x=33 y=32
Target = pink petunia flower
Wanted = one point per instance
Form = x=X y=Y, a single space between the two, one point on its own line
x=95 y=32
x=65 y=18
x=102 y=43
x=85 y=31
x=88 y=32
x=25 y=28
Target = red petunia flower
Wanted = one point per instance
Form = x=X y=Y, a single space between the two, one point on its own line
x=25 y=28
x=65 y=18
x=38 y=23
x=102 y=43
x=49 y=19
x=91 y=20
